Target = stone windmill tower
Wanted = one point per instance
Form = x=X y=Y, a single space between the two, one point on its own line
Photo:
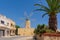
x=27 y=20
x=27 y=25
x=27 y=30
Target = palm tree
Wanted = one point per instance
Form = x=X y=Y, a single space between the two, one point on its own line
x=52 y=10
x=17 y=26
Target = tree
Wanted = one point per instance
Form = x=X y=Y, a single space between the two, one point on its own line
x=17 y=29
x=42 y=29
x=52 y=10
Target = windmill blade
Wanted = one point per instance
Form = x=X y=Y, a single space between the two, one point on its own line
x=31 y=14
x=25 y=14
x=33 y=19
x=22 y=24
x=22 y=18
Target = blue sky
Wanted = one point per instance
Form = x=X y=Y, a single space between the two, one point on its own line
x=15 y=9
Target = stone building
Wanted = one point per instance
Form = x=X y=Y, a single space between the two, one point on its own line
x=27 y=31
x=7 y=26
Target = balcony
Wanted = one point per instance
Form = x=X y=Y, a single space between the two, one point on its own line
x=4 y=26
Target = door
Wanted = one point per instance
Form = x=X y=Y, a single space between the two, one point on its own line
x=1 y=33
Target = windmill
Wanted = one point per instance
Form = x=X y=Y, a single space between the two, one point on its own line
x=27 y=19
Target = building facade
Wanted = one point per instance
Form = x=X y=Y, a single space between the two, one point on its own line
x=27 y=31
x=7 y=26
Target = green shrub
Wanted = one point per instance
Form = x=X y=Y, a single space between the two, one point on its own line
x=42 y=29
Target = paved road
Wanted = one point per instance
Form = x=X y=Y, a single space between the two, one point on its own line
x=16 y=38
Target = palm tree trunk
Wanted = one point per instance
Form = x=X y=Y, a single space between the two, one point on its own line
x=53 y=22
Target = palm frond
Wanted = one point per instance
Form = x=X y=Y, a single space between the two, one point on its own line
x=53 y=6
x=44 y=14
x=54 y=2
x=57 y=9
x=36 y=4
x=58 y=1
x=49 y=2
x=42 y=6
x=58 y=6
x=41 y=10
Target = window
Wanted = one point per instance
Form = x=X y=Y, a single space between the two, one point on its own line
x=2 y=22
x=12 y=25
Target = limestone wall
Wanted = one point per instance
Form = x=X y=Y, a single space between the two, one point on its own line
x=25 y=32
x=49 y=36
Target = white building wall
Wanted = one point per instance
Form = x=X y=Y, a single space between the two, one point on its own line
x=7 y=24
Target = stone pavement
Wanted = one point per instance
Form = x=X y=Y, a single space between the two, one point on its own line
x=16 y=38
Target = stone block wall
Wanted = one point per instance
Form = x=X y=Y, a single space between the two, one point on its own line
x=49 y=36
